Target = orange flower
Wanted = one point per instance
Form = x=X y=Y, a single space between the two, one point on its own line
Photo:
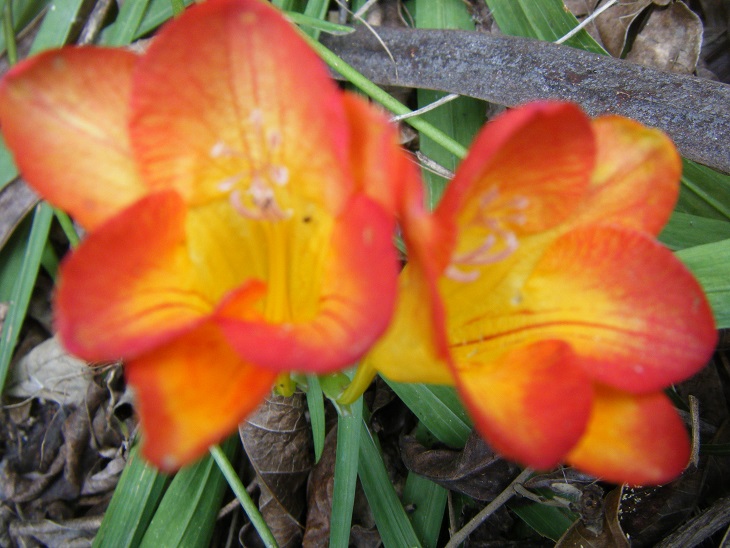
x=564 y=317
x=240 y=212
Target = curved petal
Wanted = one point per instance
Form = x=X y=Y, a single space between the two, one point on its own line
x=532 y=404
x=526 y=172
x=130 y=286
x=191 y=393
x=415 y=351
x=635 y=439
x=625 y=304
x=228 y=94
x=64 y=114
x=414 y=348
x=356 y=299
x=636 y=180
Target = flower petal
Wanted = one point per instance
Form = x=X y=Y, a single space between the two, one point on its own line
x=626 y=305
x=355 y=303
x=64 y=115
x=526 y=171
x=228 y=92
x=636 y=180
x=635 y=439
x=414 y=347
x=532 y=404
x=625 y=301
x=129 y=286
x=191 y=393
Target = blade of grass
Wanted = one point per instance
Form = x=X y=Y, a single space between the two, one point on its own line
x=316 y=9
x=23 y=286
x=710 y=263
x=545 y=20
x=9 y=32
x=126 y=25
x=319 y=24
x=705 y=192
x=549 y=521
x=685 y=230
x=186 y=515
x=133 y=504
x=24 y=13
x=378 y=94
x=178 y=6
x=315 y=405
x=461 y=118
x=157 y=13
x=349 y=425
x=391 y=519
x=234 y=482
x=57 y=24
x=428 y=501
x=438 y=408
x=11 y=258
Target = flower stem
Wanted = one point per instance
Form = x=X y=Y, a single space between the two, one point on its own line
x=243 y=497
x=10 y=44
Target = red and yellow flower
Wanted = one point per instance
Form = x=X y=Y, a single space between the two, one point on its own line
x=564 y=317
x=240 y=211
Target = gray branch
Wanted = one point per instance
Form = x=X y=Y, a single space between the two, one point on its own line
x=505 y=70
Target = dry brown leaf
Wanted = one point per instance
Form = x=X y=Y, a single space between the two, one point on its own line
x=278 y=442
x=16 y=200
x=670 y=40
x=475 y=471
x=614 y=23
x=49 y=372
x=599 y=525
x=363 y=533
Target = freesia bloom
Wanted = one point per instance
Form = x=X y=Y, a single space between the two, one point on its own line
x=564 y=318
x=240 y=211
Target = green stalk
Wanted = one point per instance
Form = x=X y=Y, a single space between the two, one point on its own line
x=10 y=44
x=384 y=98
x=239 y=490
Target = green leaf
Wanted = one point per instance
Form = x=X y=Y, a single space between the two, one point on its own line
x=704 y=192
x=549 y=521
x=56 y=27
x=438 y=408
x=346 y=464
x=24 y=12
x=133 y=504
x=685 y=230
x=461 y=118
x=428 y=503
x=547 y=20
x=315 y=404
x=186 y=516
x=124 y=29
x=710 y=263
x=393 y=524
x=23 y=286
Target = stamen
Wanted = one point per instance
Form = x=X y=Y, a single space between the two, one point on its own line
x=457 y=275
x=256 y=118
x=275 y=139
x=500 y=242
x=279 y=174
